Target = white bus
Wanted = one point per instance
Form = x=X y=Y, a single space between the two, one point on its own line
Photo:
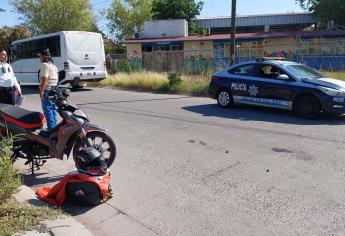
x=78 y=54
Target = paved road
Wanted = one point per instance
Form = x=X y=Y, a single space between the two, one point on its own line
x=188 y=167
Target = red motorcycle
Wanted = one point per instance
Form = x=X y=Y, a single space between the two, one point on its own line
x=75 y=131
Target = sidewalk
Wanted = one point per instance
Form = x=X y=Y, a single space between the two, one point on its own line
x=65 y=226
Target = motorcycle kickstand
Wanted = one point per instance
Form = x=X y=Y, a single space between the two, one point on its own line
x=34 y=164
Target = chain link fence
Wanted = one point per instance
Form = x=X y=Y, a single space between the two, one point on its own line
x=321 y=54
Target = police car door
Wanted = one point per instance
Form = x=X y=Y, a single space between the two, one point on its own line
x=273 y=91
x=242 y=77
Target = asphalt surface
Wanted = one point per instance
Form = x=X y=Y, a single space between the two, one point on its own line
x=187 y=167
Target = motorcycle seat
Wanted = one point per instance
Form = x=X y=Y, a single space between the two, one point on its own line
x=21 y=117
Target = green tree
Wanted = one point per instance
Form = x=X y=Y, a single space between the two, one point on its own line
x=125 y=17
x=178 y=9
x=10 y=34
x=325 y=10
x=111 y=47
x=46 y=16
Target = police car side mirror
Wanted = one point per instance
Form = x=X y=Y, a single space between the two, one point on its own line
x=283 y=77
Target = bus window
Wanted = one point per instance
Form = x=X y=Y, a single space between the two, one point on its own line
x=32 y=48
x=53 y=44
x=20 y=50
x=13 y=52
x=29 y=49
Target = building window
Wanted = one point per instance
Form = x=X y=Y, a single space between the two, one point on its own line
x=222 y=50
x=177 y=48
x=321 y=46
x=147 y=48
x=162 y=48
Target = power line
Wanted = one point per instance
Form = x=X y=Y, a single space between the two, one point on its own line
x=100 y=2
x=233 y=32
x=209 y=9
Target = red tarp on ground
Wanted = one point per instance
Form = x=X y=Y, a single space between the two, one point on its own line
x=56 y=195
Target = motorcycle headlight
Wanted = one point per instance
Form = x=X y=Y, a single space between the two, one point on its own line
x=332 y=92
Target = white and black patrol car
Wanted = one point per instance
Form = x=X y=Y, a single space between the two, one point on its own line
x=279 y=84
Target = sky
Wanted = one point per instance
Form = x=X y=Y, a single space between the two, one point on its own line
x=212 y=8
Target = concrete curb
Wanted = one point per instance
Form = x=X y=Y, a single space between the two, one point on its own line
x=66 y=226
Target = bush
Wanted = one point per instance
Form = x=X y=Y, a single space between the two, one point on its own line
x=123 y=65
x=16 y=217
x=174 y=79
x=9 y=178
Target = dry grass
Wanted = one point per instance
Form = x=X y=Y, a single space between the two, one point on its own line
x=138 y=80
x=194 y=84
x=15 y=217
x=152 y=81
x=335 y=75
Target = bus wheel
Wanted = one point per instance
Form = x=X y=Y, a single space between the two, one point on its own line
x=79 y=85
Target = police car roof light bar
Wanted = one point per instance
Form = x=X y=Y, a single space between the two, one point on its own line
x=270 y=59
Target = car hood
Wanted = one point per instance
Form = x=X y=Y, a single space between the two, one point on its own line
x=327 y=82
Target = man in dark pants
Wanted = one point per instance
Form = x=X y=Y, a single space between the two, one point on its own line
x=8 y=81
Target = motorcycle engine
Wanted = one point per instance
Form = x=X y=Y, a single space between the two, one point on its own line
x=39 y=150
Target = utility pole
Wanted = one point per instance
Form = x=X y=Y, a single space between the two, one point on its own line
x=233 y=32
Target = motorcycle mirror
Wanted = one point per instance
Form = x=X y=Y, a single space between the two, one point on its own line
x=61 y=76
x=66 y=92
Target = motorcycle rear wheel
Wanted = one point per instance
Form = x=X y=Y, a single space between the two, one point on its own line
x=102 y=142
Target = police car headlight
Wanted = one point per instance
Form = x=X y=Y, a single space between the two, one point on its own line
x=332 y=92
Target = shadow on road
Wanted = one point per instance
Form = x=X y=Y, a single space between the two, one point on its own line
x=34 y=90
x=129 y=101
x=80 y=89
x=252 y=113
x=75 y=210
x=27 y=90
x=39 y=179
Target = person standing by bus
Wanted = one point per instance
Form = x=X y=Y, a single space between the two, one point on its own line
x=8 y=81
x=48 y=78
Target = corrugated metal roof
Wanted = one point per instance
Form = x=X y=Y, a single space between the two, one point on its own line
x=258 y=20
x=243 y=37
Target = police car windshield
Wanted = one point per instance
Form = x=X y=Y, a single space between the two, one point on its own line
x=303 y=72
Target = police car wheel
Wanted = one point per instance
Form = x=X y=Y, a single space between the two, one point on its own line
x=224 y=98
x=307 y=107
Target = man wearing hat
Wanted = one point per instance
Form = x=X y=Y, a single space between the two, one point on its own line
x=8 y=81
x=48 y=78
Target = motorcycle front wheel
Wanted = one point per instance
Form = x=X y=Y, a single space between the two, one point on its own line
x=102 y=142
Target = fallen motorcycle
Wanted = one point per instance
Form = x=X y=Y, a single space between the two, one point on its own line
x=36 y=144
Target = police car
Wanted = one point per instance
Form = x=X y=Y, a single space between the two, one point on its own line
x=279 y=84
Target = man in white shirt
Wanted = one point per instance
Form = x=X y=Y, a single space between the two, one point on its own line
x=8 y=81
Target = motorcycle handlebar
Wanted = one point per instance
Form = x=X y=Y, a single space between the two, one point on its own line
x=59 y=95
